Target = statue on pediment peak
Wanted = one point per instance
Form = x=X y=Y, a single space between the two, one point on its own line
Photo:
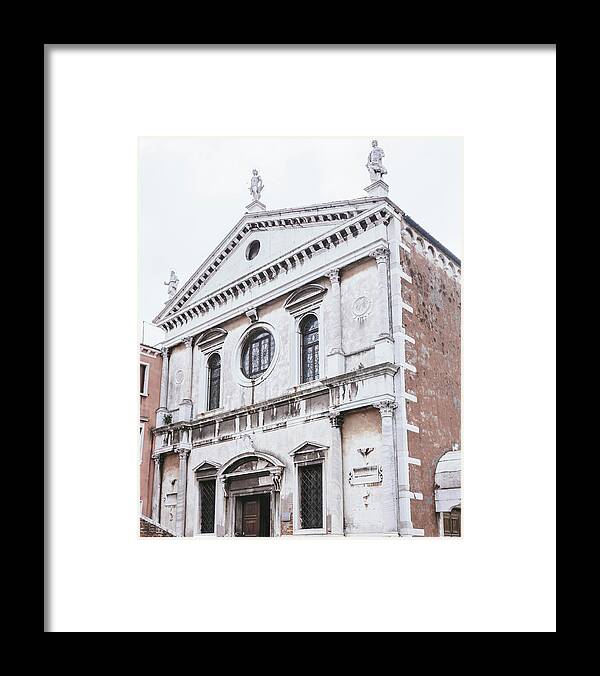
x=374 y=165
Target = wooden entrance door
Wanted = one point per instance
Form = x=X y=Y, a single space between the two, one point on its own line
x=251 y=517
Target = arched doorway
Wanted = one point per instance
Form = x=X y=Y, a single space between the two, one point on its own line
x=251 y=484
x=447 y=490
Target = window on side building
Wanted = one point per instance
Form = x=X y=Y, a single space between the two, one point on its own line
x=143 y=379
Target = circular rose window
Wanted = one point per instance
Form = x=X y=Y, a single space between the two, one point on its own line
x=257 y=353
x=252 y=250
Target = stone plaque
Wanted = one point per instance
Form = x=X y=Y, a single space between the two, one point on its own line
x=369 y=474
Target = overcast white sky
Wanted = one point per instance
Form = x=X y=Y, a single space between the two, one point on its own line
x=192 y=191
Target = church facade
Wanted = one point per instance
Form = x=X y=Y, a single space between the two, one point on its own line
x=310 y=377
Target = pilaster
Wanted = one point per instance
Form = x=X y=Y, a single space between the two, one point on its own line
x=186 y=405
x=335 y=479
x=390 y=513
x=181 y=491
x=384 y=344
x=156 y=488
x=164 y=381
x=336 y=362
x=220 y=505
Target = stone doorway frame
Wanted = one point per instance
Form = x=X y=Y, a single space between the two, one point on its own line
x=229 y=494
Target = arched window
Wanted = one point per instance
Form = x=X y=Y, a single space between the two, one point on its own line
x=258 y=353
x=309 y=333
x=214 y=381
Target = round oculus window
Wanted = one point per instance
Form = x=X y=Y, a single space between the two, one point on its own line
x=253 y=249
x=257 y=353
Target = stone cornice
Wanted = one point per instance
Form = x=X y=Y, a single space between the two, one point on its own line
x=342 y=230
x=150 y=351
x=318 y=388
x=210 y=417
x=387 y=368
x=429 y=247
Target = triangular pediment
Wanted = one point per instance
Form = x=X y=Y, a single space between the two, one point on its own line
x=308 y=447
x=207 y=466
x=277 y=233
x=270 y=245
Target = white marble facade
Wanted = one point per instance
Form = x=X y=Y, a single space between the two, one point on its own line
x=248 y=458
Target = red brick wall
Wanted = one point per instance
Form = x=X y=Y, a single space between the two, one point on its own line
x=148 y=406
x=435 y=326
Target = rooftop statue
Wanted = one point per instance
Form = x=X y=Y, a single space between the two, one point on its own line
x=172 y=284
x=256 y=185
x=376 y=169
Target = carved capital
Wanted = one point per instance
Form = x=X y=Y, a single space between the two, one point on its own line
x=165 y=352
x=156 y=459
x=336 y=419
x=381 y=254
x=386 y=407
x=188 y=340
x=182 y=453
x=334 y=275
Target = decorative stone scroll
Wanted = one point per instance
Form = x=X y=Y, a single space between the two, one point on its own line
x=276 y=478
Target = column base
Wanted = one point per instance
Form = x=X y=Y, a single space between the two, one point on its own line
x=378 y=188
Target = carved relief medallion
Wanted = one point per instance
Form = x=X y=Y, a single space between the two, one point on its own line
x=361 y=308
x=179 y=376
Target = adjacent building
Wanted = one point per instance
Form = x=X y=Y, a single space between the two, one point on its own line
x=309 y=378
x=150 y=373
